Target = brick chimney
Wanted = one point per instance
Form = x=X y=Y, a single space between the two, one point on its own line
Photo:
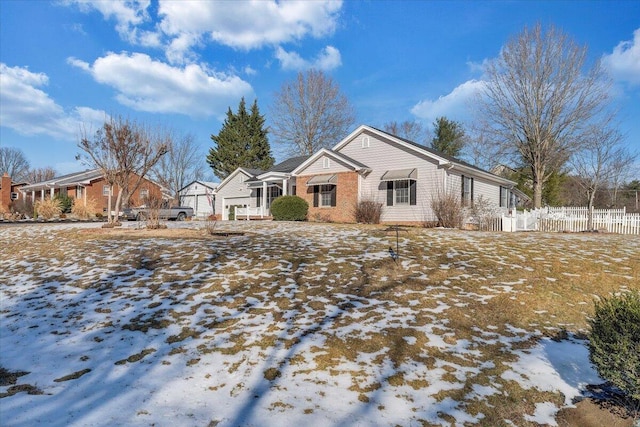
x=5 y=192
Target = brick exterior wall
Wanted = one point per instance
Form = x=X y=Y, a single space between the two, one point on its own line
x=346 y=198
x=95 y=191
x=5 y=192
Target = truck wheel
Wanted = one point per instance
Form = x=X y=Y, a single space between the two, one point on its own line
x=181 y=216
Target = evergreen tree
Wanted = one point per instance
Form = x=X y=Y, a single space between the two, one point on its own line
x=261 y=157
x=449 y=136
x=241 y=142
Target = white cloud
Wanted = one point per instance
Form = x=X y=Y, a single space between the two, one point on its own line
x=148 y=85
x=249 y=24
x=245 y=24
x=27 y=109
x=454 y=106
x=328 y=59
x=624 y=61
x=127 y=14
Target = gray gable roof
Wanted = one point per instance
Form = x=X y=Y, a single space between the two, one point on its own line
x=289 y=164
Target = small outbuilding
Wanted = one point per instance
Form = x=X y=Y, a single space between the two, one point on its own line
x=199 y=195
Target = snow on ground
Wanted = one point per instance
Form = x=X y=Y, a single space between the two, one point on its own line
x=129 y=333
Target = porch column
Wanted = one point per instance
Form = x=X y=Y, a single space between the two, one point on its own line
x=285 y=184
x=33 y=196
x=51 y=192
x=264 y=199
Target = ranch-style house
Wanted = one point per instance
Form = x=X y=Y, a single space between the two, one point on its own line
x=369 y=164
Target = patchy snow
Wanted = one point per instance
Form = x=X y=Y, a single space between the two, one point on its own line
x=153 y=344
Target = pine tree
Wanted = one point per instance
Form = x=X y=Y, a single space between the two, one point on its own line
x=241 y=142
x=449 y=136
x=260 y=155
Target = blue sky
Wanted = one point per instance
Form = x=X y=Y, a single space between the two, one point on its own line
x=67 y=64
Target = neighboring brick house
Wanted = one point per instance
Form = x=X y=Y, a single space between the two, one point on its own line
x=371 y=164
x=9 y=192
x=88 y=185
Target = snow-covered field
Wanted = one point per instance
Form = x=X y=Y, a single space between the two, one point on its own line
x=294 y=324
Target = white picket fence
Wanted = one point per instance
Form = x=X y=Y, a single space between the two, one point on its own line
x=573 y=219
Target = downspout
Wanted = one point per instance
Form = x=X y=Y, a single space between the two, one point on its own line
x=264 y=199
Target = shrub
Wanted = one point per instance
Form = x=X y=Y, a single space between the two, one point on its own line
x=22 y=206
x=48 y=208
x=448 y=209
x=154 y=204
x=289 y=208
x=66 y=202
x=614 y=342
x=84 y=211
x=484 y=213
x=368 y=212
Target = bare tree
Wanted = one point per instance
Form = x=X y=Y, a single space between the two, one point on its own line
x=13 y=162
x=40 y=174
x=182 y=164
x=310 y=113
x=601 y=159
x=125 y=151
x=538 y=101
x=409 y=129
x=480 y=151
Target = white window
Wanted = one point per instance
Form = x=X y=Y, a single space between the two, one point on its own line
x=504 y=197
x=366 y=142
x=105 y=190
x=326 y=163
x=467 y=190
x=325 y=195
x=402 y=192
x=144 y=193
x=79 y=190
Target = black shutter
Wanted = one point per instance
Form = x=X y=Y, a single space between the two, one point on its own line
x=412 y=192
x=258 y=197
x=462 y=190
x=471 y=179
x=389 y=193
x=333 y=195
x=316 y=188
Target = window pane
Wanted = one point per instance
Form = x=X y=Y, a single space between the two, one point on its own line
x=402 y=192
x=325 y=195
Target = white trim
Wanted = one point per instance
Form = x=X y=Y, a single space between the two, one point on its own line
x=441 y=160
x=331 y=154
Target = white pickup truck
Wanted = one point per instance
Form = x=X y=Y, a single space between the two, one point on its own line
x=178 y=213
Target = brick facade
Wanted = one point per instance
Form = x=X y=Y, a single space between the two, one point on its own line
x=5 y=193
x=95 y=191
x=346 y=198
x=6 y=188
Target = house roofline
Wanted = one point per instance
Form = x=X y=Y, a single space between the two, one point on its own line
x=443 y=160
x=204 y=183
x=357 y=166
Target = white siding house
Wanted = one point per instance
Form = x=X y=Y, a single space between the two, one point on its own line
x=199 y=195
x=370 y=164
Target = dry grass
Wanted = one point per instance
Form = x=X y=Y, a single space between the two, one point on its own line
x=467 y=288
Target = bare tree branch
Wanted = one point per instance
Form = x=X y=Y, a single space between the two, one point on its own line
x=124 y=151
x=409 y=129
x=182 y=164
x=601 y=160
x=13 y=162
x=538 y=101
x=310 y=113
